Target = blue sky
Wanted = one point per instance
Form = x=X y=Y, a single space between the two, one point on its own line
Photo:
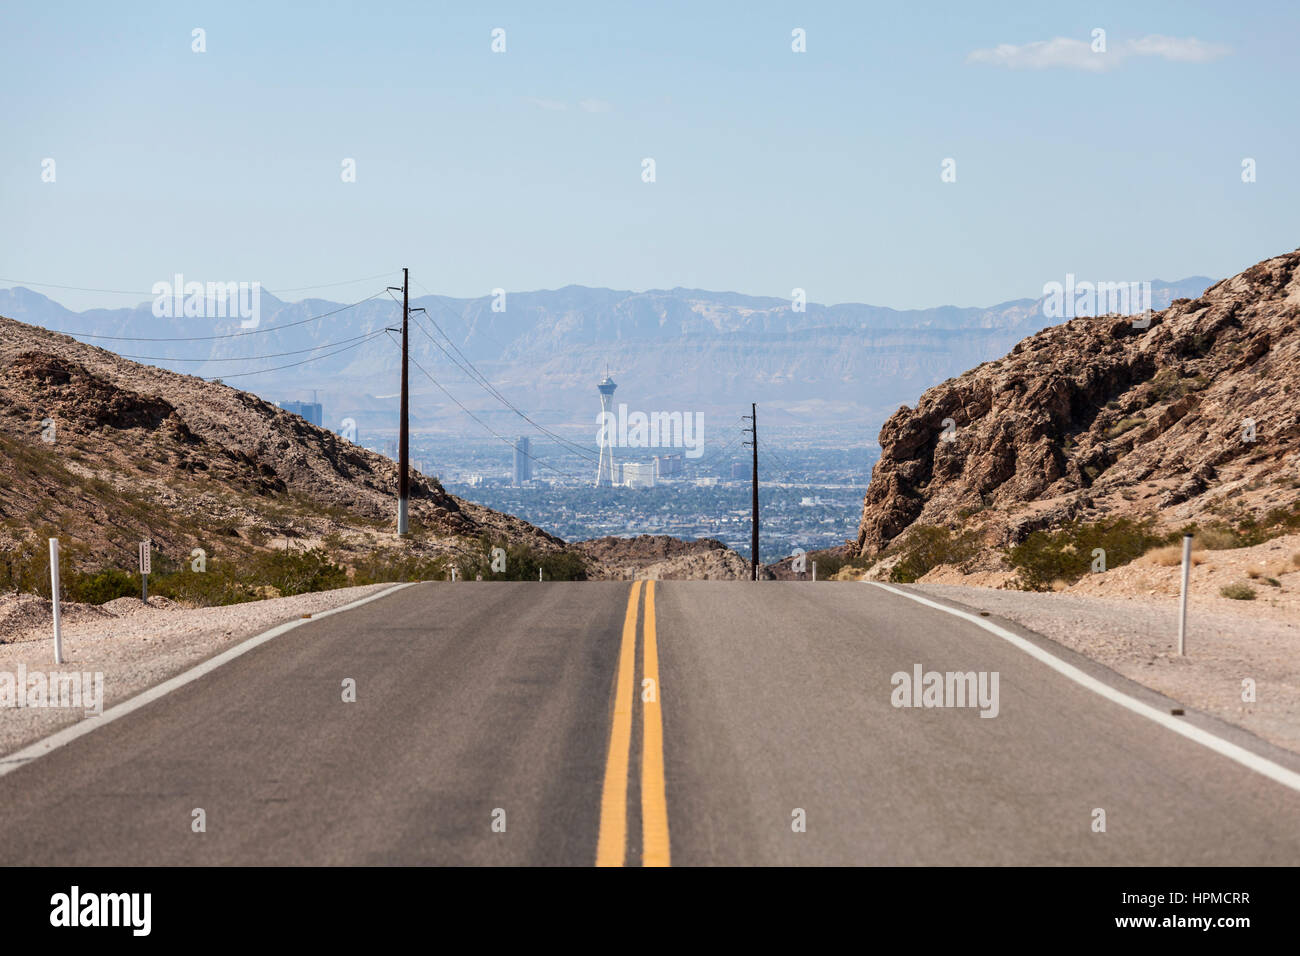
x=522 y=170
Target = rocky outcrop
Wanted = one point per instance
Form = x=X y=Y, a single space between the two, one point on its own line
x=1199 y=411
x=662 y=558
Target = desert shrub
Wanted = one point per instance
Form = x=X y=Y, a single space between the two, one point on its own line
x=1248 y=531
x=1066 y=554
x=1167 y=386
x=101 y=586
x=381 y=568
x=26 y=567
x=1238 y=592
x=1125 y=425
x=522 y=563
x=1275 y=522
x=924 y=547
x=220 y=584
x=830 y=563
x=298 y=572
x=1171 y=555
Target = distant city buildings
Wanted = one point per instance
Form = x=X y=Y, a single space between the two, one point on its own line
x=639 y=474
x=669 y=466
x=523 y=465
x=310 y=411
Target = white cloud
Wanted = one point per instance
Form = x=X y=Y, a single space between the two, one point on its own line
x=1070 y=54
x=591 y=105
x=1044 y=54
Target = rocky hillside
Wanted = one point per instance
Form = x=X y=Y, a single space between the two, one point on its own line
x=103 y=452
x=1196 y=416
x=663 y=558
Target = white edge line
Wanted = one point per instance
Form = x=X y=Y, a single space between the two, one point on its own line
x=21 y=758
x=1247 y=758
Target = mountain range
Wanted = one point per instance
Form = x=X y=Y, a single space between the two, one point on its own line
x=845 y=366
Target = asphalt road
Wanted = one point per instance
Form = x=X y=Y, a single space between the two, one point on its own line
x=684 y=723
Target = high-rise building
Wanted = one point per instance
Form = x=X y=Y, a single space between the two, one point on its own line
x=523 y=470
x=639 y=474
x=311 y=411
x=605 y=467
x=739 y=471
x=668 y=466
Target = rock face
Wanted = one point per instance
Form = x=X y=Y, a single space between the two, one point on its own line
x=1198 y=412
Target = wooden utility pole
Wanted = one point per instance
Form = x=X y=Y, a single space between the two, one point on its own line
x=403 y=436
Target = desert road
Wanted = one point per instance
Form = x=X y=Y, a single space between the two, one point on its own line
x=646 y=723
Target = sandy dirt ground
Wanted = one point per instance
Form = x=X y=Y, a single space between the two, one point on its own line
x=1228 y=642
x=131 y=645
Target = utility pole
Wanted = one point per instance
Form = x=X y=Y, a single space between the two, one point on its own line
x=753 y=443
x=403 y=437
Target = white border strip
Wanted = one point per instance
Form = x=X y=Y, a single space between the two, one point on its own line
x=56 y=740
x=1247 y=758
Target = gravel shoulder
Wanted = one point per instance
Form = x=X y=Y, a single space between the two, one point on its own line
x=1137 y=636
x=133 y=645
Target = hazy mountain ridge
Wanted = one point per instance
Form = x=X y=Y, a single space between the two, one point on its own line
x=676 y=348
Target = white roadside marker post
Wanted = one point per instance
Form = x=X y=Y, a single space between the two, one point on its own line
x=54 y=599
x=1182 y=603
x=814 y=564
x=146 y=559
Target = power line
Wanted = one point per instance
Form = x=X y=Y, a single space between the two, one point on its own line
x=335 y=285
x=246 y=358
x=496 y=393
x=275 y=292
x=501 y=349
x=487 y=386
x=487 y=427
x=317 y=358
x=778 y=462
x=480 y=379
x=228 y=335
x=718 y=455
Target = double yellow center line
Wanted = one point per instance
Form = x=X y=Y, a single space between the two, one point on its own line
x=611 y=845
